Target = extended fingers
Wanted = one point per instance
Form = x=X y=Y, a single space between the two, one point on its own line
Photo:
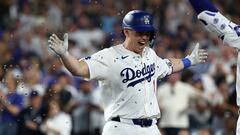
x=54 y=40
x=203 y=55
x=55 y=37
x=202 y=52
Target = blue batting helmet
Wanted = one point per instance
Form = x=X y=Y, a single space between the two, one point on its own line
x=139 y=21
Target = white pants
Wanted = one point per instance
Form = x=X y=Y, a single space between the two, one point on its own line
x=119 y=128
x=238 y=127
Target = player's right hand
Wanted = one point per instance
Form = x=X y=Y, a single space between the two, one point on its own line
x=57 y=45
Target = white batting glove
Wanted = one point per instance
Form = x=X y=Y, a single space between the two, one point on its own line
x=198 y=55
x=57 y=45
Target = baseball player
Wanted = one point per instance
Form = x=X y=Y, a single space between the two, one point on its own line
x=127 y=74
x=225 y=29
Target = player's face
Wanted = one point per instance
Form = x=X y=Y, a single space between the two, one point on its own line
x=139 y=40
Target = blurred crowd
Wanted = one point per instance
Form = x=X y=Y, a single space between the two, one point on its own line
x=38 y=96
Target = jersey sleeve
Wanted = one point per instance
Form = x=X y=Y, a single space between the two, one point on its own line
x=98 y=64
x=163 y=66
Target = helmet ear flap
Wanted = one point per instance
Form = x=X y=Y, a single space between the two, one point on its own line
x=152 y=39
x=123 y=32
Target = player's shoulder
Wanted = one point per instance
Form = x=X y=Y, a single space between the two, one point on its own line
x=117 y=49
x=105 y=53
x=112 y=48
x=150 y=52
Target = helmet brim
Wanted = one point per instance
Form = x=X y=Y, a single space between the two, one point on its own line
x=144 y=29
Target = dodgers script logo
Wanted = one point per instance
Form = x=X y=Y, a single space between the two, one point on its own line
x=135 y=77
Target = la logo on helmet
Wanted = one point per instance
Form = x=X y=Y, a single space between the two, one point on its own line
x=146 y=20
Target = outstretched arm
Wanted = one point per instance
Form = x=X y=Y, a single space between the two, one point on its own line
x=203 y=5
x=196 y=57
x=76 y=67
x=216 y=23
x=219 y=25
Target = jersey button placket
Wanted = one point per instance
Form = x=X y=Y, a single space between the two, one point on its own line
x=144 y=85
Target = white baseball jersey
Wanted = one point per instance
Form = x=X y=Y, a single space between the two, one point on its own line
x=238 y=81
x=128 y=81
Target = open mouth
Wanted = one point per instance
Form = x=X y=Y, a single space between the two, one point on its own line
x=142 y=43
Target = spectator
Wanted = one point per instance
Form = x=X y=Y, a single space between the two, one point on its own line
x=174 y=98
x=11 y=103
x=32 y=116
x=81 y=114
x=57 y=122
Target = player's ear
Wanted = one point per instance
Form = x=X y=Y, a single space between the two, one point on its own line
x=126 y=32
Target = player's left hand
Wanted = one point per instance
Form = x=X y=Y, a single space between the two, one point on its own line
x=198 y=55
